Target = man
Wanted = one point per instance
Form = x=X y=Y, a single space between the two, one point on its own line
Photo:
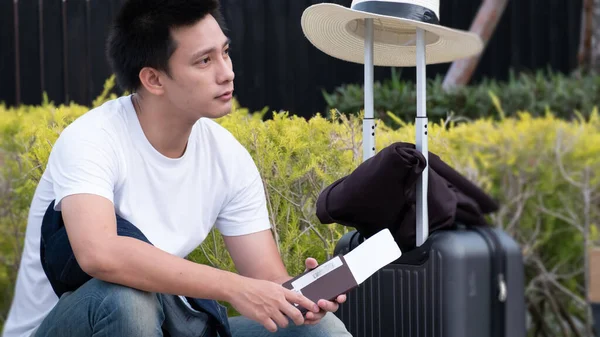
x=155 y=160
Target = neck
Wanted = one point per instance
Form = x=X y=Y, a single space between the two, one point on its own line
x=168 y=134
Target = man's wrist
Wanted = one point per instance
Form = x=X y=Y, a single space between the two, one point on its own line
x=282 y=279
x=230 y=285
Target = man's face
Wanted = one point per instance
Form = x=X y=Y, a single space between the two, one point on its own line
x=201 y=82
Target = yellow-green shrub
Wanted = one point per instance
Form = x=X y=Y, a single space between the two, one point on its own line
x=542 y=170
x=535 y=167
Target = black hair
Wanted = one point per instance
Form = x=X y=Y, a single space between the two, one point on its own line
x=141 y=35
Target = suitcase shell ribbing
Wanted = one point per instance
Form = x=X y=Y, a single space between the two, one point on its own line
x=445 y=288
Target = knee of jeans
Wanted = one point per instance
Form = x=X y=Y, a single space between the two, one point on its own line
x=332 y=326
x=329 y=326
x=131 y=305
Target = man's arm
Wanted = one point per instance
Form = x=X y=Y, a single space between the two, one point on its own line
x=256 y=256
x=91 y=226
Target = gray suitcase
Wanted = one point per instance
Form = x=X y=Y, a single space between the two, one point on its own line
x=463 y=282
x=459 y=282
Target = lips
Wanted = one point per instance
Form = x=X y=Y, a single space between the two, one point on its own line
x=225 y=94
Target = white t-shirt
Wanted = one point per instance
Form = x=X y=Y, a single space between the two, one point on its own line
x=174 y=202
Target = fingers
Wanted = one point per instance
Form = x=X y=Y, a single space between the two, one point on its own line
x=281 y=320
x=293 y=313
x=326 y=306
x=312 y=317
x=311 y=263
x=276 y=319
x=301 y=300
x=268 y=323
x=316 y=311
x=329 y=305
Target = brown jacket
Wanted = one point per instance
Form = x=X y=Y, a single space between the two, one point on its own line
x=380 y=194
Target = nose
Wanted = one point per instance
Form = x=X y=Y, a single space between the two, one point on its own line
x=225 y=72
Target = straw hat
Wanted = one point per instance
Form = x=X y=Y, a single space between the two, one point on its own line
x=339 y=32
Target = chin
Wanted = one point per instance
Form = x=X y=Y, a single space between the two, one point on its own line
x=220 y=111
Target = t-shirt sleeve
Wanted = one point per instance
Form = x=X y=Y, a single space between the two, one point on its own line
x=83 y=164
x=245 y=212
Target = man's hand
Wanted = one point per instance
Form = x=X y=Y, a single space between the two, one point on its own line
x=256 y=257
x=269 y=303
x=324 y=305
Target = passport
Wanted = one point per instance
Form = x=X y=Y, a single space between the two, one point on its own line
x=342 y=273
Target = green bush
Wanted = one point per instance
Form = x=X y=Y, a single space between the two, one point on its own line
x=535 y=93
x=543 y=170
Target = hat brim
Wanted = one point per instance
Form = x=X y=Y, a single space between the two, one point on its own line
x=338 y=31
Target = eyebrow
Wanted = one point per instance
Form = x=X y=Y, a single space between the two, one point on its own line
x=209 y=50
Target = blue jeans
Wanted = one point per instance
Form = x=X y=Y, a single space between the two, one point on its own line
x=102 y=309
x=91 y=307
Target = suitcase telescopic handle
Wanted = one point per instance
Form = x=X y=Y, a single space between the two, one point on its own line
x=421 y=141
x=422 y=144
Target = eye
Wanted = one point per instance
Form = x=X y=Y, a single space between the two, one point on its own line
x=227 y=50
x=202 y=61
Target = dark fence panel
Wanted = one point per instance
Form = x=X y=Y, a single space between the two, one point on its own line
x=29 y=68
x=53 y=62
x=57 y=47
x=8 y=54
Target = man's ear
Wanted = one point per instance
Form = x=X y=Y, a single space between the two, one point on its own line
x=152 y=80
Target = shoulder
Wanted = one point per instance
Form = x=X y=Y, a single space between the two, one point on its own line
x=103 y=126
x=95 y=136
x=107 y=118
x=87 y=156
